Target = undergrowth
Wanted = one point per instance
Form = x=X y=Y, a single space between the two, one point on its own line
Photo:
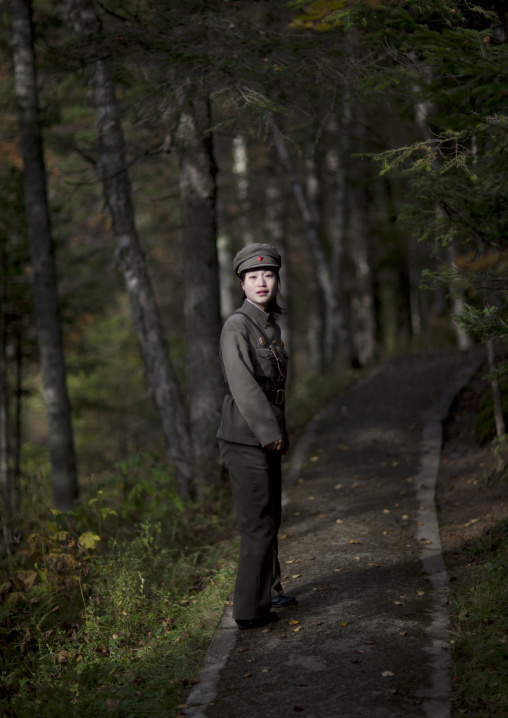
x=480 y=628
x=103 y=614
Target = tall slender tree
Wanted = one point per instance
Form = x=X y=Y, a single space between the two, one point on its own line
x=49 y=335
x=113 y=173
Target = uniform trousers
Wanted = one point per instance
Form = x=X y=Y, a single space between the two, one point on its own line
x=255 y=475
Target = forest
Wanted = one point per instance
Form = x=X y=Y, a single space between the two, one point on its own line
x=143 y=144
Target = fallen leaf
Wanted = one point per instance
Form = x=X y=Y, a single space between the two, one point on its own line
x=265 y=670
x=368 y=643
x=398 y=603
x=242 y=650
x=296 y=575
x=298 y=628
x=353 y=541
x=405 y=516
x=387 y=673
x=344 y=623
x=337 y=570
x=338 y=486
x=321 y=587
x=357 y=558
x=228 y=603
x=339 y=521
x=293 y=622
x=421 y=593
x=403 y=633
x=311 y=498
x=285 y=536
x=266 y=630
x=319 y=623
x=314 y=458
x=247 y=675
x=293 y=560
x=386 y=511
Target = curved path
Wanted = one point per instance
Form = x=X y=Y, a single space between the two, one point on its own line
x=360 y=549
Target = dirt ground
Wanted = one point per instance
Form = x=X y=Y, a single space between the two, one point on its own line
x=468 y=503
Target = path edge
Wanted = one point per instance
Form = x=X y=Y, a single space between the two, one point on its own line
x=437 y=696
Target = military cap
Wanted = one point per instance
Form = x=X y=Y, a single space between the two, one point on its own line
x=256 y=256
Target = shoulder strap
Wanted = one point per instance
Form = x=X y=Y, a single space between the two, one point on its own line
x=256 y=326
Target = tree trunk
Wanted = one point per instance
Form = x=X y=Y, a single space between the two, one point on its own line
x=496 y=393
x=51 y=355
x=5 y=488
x=198 y=194
x=319 y=321
x=228 y=288
x=321 y=264
x=336 y=159
x=458 y=304
x=275 y=229
x=112 y=171
x=240 y=168
x=363 y=322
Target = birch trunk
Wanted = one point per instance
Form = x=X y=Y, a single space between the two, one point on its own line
x=113 y=174
x=363 y=322
x=226 y=277
x=240 y=172
x=198 y=197
x=496 y=393
x=49 y=338
x=319 y=320
x=275 y=229
x=320 y=261
x=336 y=162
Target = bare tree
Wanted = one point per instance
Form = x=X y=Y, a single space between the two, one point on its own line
x=113 y=173
x=49 y=337
x=198 y=199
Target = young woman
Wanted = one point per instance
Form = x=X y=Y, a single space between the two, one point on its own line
x=252 y=435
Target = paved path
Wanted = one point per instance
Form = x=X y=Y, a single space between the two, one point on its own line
x=360 y=549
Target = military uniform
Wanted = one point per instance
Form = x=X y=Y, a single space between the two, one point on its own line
x=255 y=365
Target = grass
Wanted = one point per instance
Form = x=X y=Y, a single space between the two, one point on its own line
x=480 y=628
x=104 y=617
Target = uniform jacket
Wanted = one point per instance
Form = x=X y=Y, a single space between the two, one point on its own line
x=250 y=369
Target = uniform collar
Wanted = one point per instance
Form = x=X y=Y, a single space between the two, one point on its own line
x=255 y=312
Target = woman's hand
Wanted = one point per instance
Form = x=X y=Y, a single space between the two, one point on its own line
x=276 y=445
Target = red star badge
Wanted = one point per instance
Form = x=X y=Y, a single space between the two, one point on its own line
x=260 y=259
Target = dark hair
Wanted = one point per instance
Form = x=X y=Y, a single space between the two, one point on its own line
x=274 y=309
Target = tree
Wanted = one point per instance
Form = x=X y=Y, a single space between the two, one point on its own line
x=51 y=354
x=113 y=174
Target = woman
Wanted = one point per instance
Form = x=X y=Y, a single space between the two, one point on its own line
x=252 y=435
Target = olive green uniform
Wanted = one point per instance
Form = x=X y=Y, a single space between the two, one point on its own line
x=252 y=417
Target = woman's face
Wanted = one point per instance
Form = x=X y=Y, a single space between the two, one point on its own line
x=260 y=286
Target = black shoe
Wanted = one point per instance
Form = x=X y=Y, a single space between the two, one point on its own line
x=270 y=617
x=282 y=601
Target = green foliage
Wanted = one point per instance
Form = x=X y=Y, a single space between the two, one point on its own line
x=99 y=628
x=485 y=425
x=480 y=628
